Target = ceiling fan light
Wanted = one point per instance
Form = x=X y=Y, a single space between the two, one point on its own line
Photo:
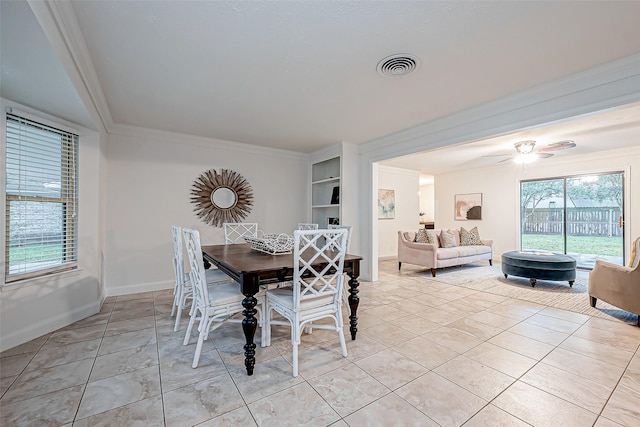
x=525 y=147
x=524 y=158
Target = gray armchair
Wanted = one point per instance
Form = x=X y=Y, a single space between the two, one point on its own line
x=616 y=284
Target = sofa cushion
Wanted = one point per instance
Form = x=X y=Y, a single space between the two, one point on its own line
x=447 y=253
x=482 y=249
x=464 y=251
x=469 y=238
x=448 y=239
x=423 y=236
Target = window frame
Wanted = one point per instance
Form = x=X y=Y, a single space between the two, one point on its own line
x=68 y=197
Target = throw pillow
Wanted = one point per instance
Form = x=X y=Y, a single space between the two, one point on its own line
x=447 y=239
x=469 y=238
x=423 y=236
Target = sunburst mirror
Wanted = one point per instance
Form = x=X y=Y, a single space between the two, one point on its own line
x=221 y=197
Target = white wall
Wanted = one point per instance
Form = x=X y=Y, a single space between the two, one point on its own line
x=31 y=308
x=406 y=185
x=600 y=88
x=149 y=180
x=499 y=186
x=427 y=202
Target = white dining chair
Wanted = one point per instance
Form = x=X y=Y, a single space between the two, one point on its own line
x=307 y=226
x=213 y=304
x=316 y=290
x=234 y=232
x=183 y=290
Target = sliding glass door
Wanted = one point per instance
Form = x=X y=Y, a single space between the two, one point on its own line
x=542 y=215
x=580 y=216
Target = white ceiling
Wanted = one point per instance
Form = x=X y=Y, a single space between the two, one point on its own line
x=302 y=75
x=31 y=73
x=609 y=130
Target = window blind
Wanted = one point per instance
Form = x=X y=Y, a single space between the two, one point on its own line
x=41 y=199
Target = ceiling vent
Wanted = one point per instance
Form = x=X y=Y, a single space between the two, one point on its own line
x=398 y=65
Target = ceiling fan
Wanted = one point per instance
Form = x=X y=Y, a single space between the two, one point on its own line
x=525 y=151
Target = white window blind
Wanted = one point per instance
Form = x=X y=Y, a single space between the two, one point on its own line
x=41 y=199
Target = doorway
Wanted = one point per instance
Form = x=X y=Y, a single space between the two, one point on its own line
x=581 y=216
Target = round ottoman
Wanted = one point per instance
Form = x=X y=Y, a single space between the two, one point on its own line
x=539 y=265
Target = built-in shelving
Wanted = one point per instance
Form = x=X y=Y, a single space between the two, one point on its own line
x=325 y=186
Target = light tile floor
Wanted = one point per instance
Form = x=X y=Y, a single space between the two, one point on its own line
x=427 y=354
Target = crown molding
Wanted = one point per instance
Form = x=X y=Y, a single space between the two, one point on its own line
x=60 y=24
x=141 y=133
x=604 y=87
x=398 y=171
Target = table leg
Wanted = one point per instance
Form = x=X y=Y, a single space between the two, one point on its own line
x=354 y=301
x=249 y=326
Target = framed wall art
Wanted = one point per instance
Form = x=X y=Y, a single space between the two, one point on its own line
x=386 y=204
x=468 y=206
x=221 y=197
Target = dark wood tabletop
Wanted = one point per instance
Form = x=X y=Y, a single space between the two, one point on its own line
x=253 y=269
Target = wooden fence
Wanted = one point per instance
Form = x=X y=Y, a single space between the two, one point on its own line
x=580 y=221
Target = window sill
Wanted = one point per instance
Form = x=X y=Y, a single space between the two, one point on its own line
x=40 y=280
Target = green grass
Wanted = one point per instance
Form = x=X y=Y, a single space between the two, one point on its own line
x=34 y=253
x=609 y=246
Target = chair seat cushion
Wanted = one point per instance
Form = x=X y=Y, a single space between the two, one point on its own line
x=225 y=293
x=284 y=296
x=462 y=251
x=215 y=275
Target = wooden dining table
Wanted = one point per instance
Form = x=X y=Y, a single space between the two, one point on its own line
x=253 y=269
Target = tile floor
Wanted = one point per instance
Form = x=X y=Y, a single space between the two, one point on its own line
x=446 y=356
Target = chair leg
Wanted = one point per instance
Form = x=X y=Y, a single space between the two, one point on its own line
x=294 y=341
x=175 y=301
x=399 y=265
x=593 y=300
x=196 y=357
x=265 y=340
x=180 y=306
x=187 y=335
x=343 y=343
x=267 y=319
x=433 y=272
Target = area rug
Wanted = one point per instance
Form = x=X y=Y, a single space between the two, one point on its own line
x=549 y=293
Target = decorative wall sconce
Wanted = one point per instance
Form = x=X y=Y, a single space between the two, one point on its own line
x=221 y=197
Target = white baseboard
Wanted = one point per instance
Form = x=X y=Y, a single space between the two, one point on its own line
x=139 y=288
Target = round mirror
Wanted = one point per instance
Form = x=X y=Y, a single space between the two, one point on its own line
x=223 y=197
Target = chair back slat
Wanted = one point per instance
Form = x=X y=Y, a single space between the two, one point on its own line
x=349 y=228
x=197 y=274
x=310 y=246
x=178 y=262
x=234 y=232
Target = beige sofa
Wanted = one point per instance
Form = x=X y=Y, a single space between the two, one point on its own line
x=433 y=256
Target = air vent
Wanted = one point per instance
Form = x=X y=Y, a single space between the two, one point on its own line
x=398 y=65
